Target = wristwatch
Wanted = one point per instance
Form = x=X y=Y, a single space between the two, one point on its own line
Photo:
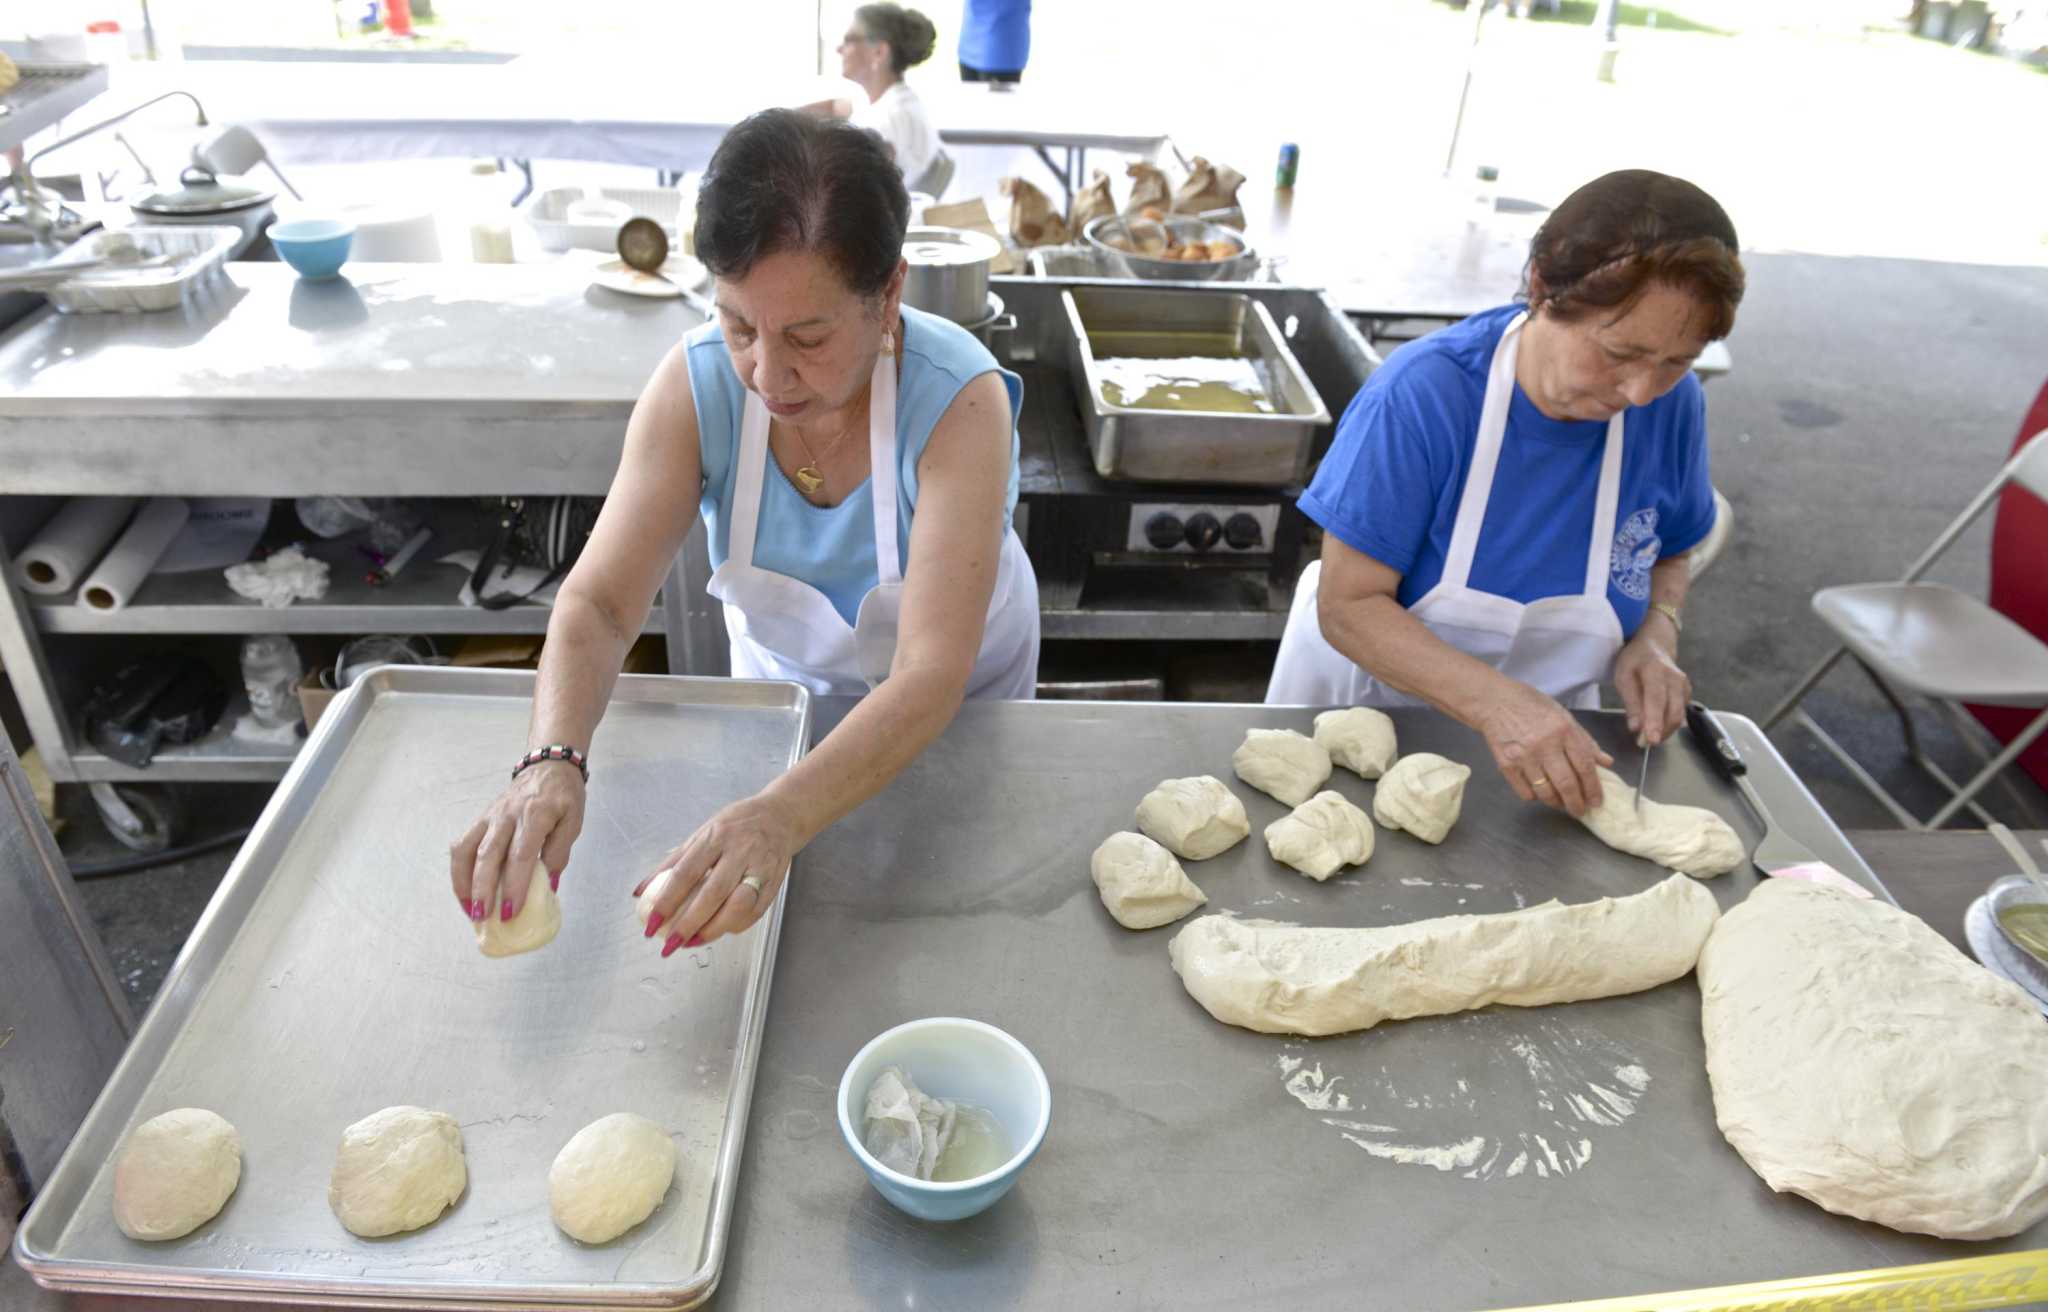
x=1669 y=612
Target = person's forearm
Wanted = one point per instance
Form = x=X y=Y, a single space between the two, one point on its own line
x=868 y=749
x=579 y=665
x=1670 y=581
x=1380 y=635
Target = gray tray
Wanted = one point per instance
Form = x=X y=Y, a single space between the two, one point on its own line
x=333 y=975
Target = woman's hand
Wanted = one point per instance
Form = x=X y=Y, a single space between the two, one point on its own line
x=1544 y=753
x=538 y=816
x=723 y=876
x=1651 y=685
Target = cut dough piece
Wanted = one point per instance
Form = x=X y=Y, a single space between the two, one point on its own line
x=1688 y=839
x=176 y=1173
x=1358 y=738
x=610 y=1177
x=1422 y=794
x=397 y=1170
x=1193 y=818
x=1282 y=763
x=643 y=906
x=1289 y=980
x=1321 y=836
x=535 y=925
x=1141 y=883
x=1859 y=1060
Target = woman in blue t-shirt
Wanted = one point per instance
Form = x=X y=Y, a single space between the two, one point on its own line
x=1509 y=501
x=855 y=462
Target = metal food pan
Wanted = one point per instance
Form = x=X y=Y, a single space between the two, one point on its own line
x=1182 y=446
x=333 y=975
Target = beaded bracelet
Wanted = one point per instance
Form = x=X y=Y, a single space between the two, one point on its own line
x=555 y=752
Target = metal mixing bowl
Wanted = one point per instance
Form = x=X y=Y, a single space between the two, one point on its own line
x=1184 y=228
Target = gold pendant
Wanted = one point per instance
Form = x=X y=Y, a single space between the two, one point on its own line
x=809 y=480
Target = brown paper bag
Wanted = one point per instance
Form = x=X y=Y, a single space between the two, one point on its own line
x=1033 y=220
x=1209 y=187
x=1149 y=189
x=973 y=216
x=1090 y=203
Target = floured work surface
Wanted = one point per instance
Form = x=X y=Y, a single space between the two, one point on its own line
x=333 y=975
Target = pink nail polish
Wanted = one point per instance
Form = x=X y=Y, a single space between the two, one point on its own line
x=696 y=941
x=505 y=910
x=674 y=941
x=476 y=911
x=554 y=881
x=653 y=923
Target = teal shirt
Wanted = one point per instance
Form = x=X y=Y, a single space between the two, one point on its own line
x=832 y=548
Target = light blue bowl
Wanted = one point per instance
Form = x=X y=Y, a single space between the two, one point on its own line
x=317 y=248
x=966 y=1061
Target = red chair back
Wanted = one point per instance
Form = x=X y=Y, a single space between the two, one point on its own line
x=2019 y=587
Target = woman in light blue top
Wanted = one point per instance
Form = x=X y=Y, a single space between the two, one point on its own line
x=883 y=568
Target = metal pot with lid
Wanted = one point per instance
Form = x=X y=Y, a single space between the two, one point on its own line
x=949 y=271
x=204 y=198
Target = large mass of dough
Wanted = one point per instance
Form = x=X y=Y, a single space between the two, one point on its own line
x=1289 y=980
x=534 y=925
x=610 y=1177
x=1358 y=738
x=175 y=1173
x=1321 y=836
x=1193 y=818
x=1422 y=794
x=1141 y=883
x=1280 y=762
x=9 y=74
x=397 y=1170
x=1859 y=1060
x=1689 y=839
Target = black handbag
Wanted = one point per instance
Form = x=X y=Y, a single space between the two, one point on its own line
x=543 y=533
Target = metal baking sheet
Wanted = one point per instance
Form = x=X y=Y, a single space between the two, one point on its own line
x=333 y=975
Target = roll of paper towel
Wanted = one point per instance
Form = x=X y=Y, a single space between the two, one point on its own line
x=71 y=543
x=136 y=552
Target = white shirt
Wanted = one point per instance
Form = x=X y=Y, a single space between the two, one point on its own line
x=900 y=119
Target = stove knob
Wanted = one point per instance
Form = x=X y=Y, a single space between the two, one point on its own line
x=1204 y=530
x=1163 y=531
x=1242 y=532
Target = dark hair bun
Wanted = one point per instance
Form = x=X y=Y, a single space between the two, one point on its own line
x=919 y=36
x=909 y=33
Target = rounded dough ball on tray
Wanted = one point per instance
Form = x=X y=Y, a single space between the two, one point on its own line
x=1358 y=738
x=1141 y=883
x=1281 y=763
x=176 y=1172
x=397 y=1170
x=1193 y=818
x=610 y=1177
x=535 y=925
x=1422 y=794
x=1321 y=836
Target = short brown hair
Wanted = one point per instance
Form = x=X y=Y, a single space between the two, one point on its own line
x=1619 y=233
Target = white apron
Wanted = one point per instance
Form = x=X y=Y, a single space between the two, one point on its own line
x=783 y=628
x=1562 y=645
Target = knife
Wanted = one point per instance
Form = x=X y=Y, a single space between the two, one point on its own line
x=1776 y=854
x=1643 y=777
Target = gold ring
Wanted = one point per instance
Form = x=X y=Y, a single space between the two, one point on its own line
x=753 y=882
x=1539 y=782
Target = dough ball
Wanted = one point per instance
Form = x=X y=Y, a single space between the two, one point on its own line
x=610 y=1177
x=1689 y=839
x=643 y=906
x=397 y=1170
x=534 y=926
x=1141 y=883
x=1321 y=836
x=1422 y=794
x=175 y=1173
x=1860 y=1061
x=1282 y=763
x=1359 y=738
x=1193 y=818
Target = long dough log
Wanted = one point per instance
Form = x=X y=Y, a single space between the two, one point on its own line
x=1286 y=980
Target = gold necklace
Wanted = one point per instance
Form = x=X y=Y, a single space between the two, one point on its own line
x=808 y=478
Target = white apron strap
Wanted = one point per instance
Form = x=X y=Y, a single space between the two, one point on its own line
x=882 y=468
x=752 y=468
x=1606 y=509
x=1493 y=427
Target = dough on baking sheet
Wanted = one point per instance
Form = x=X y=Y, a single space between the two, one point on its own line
x=1422 y=794
x=1141 y=883
x=1321 y=836
x=1358 y=738
x=397 y=1170
x=1282 y=763
x=1193 y=818
x=1290 y=980
x=1688 y=839
x=175 y=1173
x=10 y=75
x=643 y=906
x=534 y=925
x=610 y=1177
x=1859 y=1060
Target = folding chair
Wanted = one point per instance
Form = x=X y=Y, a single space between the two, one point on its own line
x=1941 y=644
x=1701 y=557
x=932 y=182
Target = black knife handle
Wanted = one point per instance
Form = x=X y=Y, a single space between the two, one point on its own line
x=1715 y=743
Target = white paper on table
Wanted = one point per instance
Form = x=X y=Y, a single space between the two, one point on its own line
x=220 y=532
x=513 y=579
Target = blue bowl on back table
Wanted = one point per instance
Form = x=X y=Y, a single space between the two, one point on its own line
x=317 y=248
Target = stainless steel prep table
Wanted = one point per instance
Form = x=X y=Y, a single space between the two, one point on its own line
x=1179 y=1171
